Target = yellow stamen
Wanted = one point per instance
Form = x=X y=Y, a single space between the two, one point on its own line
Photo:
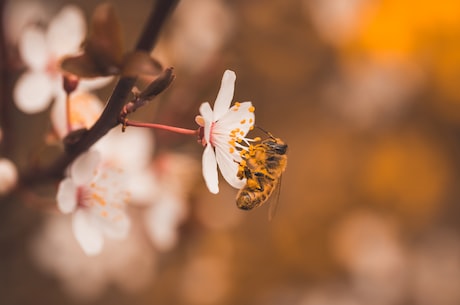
x=252 y=109
x=99 y=199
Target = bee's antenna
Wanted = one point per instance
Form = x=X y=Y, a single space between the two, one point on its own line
x=265 y=131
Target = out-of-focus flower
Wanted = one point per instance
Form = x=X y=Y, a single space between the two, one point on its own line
x=132 y=150
x=369 y=248
x=169 y=206
x=200 y=30
x=8 y=176
x=41 y=52
x=128 y=264
x=338 y=21
x=224 y=129
x=435 y=266
x=20 y=14
x=371 y=93
x=96 y=197
x=85 y=109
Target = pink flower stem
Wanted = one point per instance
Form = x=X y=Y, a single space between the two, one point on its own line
x=163 y=127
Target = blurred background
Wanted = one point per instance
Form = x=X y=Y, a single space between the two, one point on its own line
x=366 y=94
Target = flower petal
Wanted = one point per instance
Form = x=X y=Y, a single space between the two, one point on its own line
x=33 y=92
x=66 y=31
x=67 y=196
x=115 y=226
x=87 y=234
x=210 y=169
x=8 y=175
x=225 y=95
x=85 y=109
x=33 y=49
x=206 y=114
x=240 y=117
x=228 y=167
x=82 y=169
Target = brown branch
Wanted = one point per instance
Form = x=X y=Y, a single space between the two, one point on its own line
x=110 y=116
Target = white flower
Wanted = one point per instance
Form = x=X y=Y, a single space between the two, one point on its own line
x=225 y=129
x=96 y=197
x=8 y=176
x=128 y=265
x=41 y=51
x=85 y=109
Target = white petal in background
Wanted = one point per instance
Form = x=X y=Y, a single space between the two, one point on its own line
x=33 y=92
x=33 y=48
x=85 y=109
x=20 y=14
x=88 y=235
x=8 y=175
x=162 y=220
x=82 y=169
x=67 y=196
x=66 y=31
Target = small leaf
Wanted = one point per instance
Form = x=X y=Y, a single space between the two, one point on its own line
x=84 y=66
x=140 y=63
x=102 y=49
x=104 y=43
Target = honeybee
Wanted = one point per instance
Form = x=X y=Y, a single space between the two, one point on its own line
x=262 y=165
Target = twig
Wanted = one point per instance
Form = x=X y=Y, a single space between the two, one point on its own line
x=110 y=116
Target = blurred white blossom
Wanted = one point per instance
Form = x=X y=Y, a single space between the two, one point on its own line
x=372 y=93
x=20 y=14
x=128 y=263
x=369 y=248
x=8 y=176
x=200 y=30
x=96 y=197
x=85 y=109
x=41 y=51
x=337 y=21
x=436 y=269
x=169 y=206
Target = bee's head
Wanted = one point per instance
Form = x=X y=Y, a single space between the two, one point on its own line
x=277 y=146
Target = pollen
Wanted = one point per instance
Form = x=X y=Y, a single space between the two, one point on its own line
x=237 y=104
x=231 y=150
x=251 y=127
x=257 y=139
x=252 y=109
x=243 y=121
x=99 y=199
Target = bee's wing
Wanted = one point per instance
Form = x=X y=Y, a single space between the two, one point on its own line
x=274 y=200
